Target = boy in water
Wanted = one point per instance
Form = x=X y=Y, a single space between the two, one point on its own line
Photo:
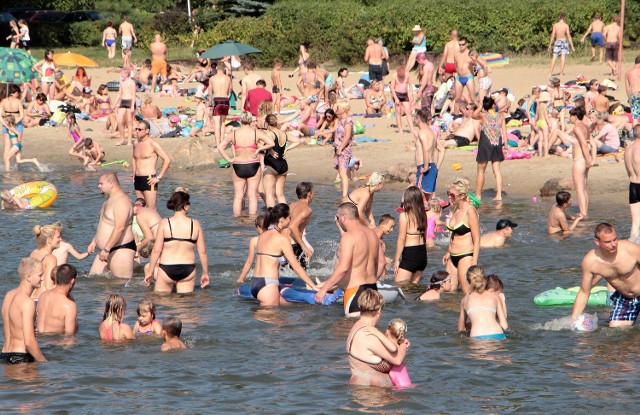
x=385 y=227
x=171 y=329
x=201 y=110
x=276 y=89
x=557 y=221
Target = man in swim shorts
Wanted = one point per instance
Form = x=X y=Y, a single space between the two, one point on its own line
x=300 y=217
x=114 y=236
x=426 y=90
x=125 y=104
x=158 y=61
x=19 y=316
x=359 y=263
x=632 y=86
x=426 y=145
x=447 y=61
x=632 y=164
x=562 y=35
x=466 y=131
x=128 y=35
x=219 y=90
x=57 y=312
x=373 y=56
x=618 y=262
x=464 y=77
x=146 y=152
x=597 y=39
x=612 y=42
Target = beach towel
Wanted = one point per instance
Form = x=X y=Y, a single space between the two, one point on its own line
x=365 y=139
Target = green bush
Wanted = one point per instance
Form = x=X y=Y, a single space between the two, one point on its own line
x=87 y=33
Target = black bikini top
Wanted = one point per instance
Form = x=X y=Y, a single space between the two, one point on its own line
x=190 y=239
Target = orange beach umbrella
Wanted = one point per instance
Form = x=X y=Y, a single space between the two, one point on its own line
x=73 y=59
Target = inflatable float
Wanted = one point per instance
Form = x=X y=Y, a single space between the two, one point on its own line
x=495 y=60
x=39 y=194
x=390 y=293
x=562 y=296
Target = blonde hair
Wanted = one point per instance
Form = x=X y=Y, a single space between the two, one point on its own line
x=398 y=329
x=148 y=306
x=434 y=205
x=477 y=278
x=474 y=53
x=375 y=179
x=344 y=104
x=461 y=185
x=27 y=265
x=536 y=90
x=265 y=108
x=114 y=307
x=148 y=99
x=43 y=233
x=370 y=301
x=246 y=117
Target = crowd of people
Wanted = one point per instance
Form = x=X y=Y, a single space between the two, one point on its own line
x=462 y=110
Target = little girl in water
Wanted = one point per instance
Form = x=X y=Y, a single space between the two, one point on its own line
x=433 y=221
x=396 y=332
x=9 y=123
x=252 y=249
x=439 y=284
x=495 y=285
x=112 y=328
x=147 y=323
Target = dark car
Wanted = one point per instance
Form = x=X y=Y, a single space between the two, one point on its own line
x=82 y=16
x=47 y=17
x=5 y=29
x=23 y=12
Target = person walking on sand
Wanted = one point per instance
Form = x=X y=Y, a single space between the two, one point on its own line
x=128 y=35
x=373 y=56
x=109 y=36
x=612 y=40
x=632 y=164
x=562 y=35
x=464 y=77
x=447 y=64
x=632 y=86
x=158 y=61
x=597 y=38
x=219 y=90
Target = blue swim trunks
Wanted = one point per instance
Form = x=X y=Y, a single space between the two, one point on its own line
x=109 y=42
x=199 y=124
x=624 y=309
x=427 y=181
x=634 y=101
x=497 y=336
x=597 y=39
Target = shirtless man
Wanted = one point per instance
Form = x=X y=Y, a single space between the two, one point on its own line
x=632 y=86
x=127 y=34
x=597 y=39
x=57 y=312
x=276 y=89
x=144 y=74
x=632 y=164
x=601 y=103
x=109 y=36
x=581 y=158
x=19 y=316
x=447 y=61
x=114 y=237
x=158 y=61
x=359 y=260
x=373 y=56
x=467 y=131
x=497 y=239
x=612 y=43
x=426 y=145
x=464 y=77
x=557 y=219
x=311 y=85
x=249 y=81
x=300 y=217
x=384 y=228
x=427 y=90
x=124 y=106
x=618 y=262
x=146 y=152
x=561 y=33
x=219 y=90
x=148 y=221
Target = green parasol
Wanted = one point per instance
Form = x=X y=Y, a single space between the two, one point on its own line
x=228 y=48
x=16 y=66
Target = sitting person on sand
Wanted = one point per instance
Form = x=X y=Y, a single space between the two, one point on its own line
x=375 y=99
x=327 y=127
x=151 y=113
x=87 y=102
x=557 y=220
x=89 y=152
x=171 y=329
x=38 y=112
x=497 y=239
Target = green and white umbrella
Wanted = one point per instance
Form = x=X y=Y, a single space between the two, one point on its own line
x=16 y=66
x=228 y=48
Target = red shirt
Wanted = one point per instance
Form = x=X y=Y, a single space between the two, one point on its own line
x=255 y=98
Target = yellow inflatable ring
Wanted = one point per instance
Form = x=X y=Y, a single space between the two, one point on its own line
x=39 y=194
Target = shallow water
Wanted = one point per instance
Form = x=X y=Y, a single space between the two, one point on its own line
x=245 y=359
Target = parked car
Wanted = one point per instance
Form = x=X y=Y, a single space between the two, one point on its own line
x=82 y=16
x=47 y=17
x=22 y=12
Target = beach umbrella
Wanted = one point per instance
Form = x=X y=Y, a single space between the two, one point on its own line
x=228 y=48
x=73 y=59
x=16 y=66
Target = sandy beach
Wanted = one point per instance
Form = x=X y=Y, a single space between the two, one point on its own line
x=522 y=177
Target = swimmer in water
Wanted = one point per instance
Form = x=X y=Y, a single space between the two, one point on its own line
x=439 y=284
x=557 y=220
x=171 y=329
x=497 y=239
x=147 y=323
x=112 y=328
x=482 y=308
x=495 y=285
x=386 y=224
x=252 y=249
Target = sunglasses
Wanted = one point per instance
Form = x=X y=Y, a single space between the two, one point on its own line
x=139 y=129
x=462 y=44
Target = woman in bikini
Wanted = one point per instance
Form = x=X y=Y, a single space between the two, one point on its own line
x=48 y=238
x=482 y=308
x=542 y=122
x=275 y=163
x=38 y=111
x=109 y=36
x=411 y=249
x=247 y=144
x=481 y=70
x=402 y=93
x=11 y=105
x=273 y=249
x=371 y=354
x=464 y=246
x=558 y=101
x=177 y=238
x=104 y=109
x=375 y=99
x=303 y=60
x=327 y=127
x=47 y=69
x=112 y=329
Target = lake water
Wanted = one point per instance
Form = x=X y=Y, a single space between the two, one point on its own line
x=243 y=359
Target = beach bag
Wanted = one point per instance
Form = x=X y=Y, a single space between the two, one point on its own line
x=113 y=86
x=57 y=117
x=358 y=128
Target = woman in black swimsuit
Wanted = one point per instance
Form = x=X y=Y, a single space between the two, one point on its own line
x=176 y=238
x=275 y=163
x=411 y=249
x=246 y=165
x=464 y=225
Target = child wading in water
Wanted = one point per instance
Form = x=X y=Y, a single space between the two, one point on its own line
x=439 y=284
x=147 y=323
x=16 y=145
x=396 y=332
x=433 y=221
x=112 y=328
x=171 y=329
x=252 y=249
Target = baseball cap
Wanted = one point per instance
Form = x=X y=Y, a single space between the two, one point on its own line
x=174 y=118
x=86 y=90
x=505 y=223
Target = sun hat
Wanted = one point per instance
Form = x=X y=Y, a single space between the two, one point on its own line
x=416 y=28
